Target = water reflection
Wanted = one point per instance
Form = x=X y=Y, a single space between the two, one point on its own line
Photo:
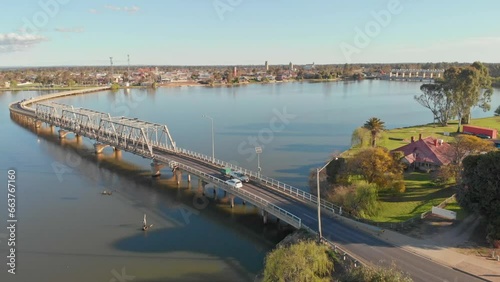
x=181 y=228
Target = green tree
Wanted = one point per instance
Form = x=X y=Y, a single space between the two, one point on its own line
x=479 y=190
x=115 y=86
x=437 y=99
x=469 y=87
x=460 y=89
x=378 y=166
x=360 y=137
x=365 y=200
x=446 y=174
x=304 y=261
x=71 y=83
x=376 y=127
x=360 y=199
x=465 y=145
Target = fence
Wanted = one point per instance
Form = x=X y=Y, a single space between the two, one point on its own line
x=345 y=256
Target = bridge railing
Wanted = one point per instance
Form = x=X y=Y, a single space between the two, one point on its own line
x=269 y=182
x=288 y=217
x=243 y=194
x=337 y=249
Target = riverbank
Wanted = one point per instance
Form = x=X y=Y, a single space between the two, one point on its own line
x=422 y=193
x=168 y=85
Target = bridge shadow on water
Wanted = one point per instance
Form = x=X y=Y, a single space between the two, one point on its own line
x=196 y=235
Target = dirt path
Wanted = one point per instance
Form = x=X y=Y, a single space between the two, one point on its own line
x=456 y=235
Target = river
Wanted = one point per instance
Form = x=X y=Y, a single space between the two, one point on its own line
x=67 y=230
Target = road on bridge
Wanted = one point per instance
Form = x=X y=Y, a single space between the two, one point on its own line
x=365 y=246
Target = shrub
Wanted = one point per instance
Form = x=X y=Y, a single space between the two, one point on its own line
x=303 y=261
x=390 y=274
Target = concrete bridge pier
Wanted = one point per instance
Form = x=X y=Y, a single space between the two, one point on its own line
x=231 y=199
x=118 y=153
x=52 y=128
x=38 y=124
x=189 y=178
x=99 y=147
x=178 y=176
x=78 y=139
x=264 y=216
x=155 y=169
x=63 y=133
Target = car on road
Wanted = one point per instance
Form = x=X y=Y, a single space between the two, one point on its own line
x=239 y=175
x=235 y=183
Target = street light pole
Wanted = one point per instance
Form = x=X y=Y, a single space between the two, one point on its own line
x=213 y=139
x=258 y=150
x=320 y=234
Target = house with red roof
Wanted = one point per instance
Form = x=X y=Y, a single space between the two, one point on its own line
x=426 y=153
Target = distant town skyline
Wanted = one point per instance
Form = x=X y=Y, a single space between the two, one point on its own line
x=247 y=32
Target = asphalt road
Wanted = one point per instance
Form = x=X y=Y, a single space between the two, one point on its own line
x=365 y=246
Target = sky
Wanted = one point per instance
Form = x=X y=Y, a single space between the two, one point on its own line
x=247 y=32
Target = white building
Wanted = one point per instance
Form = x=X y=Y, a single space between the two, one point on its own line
x=309 y=67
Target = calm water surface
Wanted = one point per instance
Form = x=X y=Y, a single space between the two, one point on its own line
x=319 y=119
x=68 y=231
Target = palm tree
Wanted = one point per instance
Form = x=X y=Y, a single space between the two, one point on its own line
x=375 y=126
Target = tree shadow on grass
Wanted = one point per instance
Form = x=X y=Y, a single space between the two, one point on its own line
x=437 y=193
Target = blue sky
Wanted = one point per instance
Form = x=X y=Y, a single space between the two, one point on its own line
x=233 y=32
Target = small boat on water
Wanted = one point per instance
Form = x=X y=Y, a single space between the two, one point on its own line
x=145 y=225
x=107 y=193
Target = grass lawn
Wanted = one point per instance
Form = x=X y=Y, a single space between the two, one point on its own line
x=426 y=130
x=431 y=130
x=421 y=194
x=453 y=206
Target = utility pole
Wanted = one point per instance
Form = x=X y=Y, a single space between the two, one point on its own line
x=112 y=73
x=320 y=233
x=128 y=67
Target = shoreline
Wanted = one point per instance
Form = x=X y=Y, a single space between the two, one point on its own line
x=173 y=85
